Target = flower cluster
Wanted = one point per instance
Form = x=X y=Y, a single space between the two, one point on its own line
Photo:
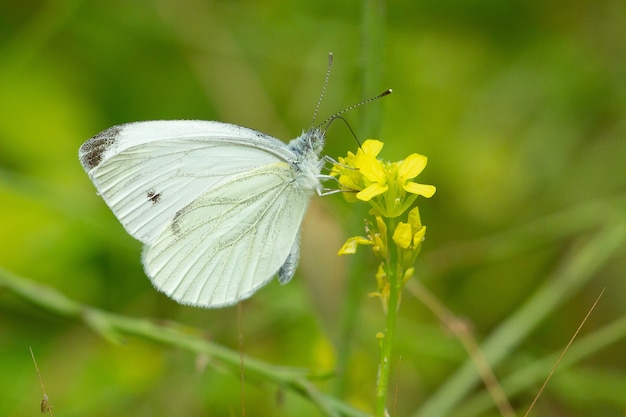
x=389 y=189
x=387 y=186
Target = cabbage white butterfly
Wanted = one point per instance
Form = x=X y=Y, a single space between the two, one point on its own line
x=217 y=206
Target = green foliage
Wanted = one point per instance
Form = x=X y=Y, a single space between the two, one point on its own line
x=519 y=107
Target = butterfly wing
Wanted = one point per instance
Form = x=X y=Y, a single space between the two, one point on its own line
x=231 y=241
x=216 y=205
x=147 y=171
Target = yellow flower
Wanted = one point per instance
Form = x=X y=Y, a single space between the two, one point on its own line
x=372 y=169
x=410 y=168
x=376 y=237
x=386 y=186
x=408 y=237
x=361 y=173
x=389 y=188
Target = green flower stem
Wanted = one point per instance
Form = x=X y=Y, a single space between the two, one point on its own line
x=394 y=274
x=382 y=385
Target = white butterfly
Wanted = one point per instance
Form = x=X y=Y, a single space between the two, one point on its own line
x=217 y=206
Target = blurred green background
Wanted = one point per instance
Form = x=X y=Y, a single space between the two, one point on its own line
x=520 y=107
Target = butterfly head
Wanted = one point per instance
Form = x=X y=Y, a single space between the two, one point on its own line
x=309 y=144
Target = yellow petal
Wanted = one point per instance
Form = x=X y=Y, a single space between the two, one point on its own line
x=402 y=236
x=370 y=192
x=419 y=237
x=371 y=168
x=419 y=189
x=372 y=147
x=411 y=167
x=347 y=181
x=349 y=248
x=382 y=227
x=414 y=218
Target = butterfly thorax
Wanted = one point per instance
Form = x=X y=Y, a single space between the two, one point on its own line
x=307 y=148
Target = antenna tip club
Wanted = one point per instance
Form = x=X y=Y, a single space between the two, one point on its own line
x=383 y=94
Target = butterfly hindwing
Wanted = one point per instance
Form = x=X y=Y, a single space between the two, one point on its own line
x=230 y=241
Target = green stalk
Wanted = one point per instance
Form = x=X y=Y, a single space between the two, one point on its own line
x=394 y=275
x=384 y=368
x=372 y=62
x=576 y=269
x=115 y=328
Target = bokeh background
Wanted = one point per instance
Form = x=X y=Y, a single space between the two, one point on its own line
x=520 y=107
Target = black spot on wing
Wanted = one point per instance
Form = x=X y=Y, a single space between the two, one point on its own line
x=153 y=196
x=92 y=151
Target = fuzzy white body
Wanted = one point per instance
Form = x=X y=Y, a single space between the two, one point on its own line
x=217 y=206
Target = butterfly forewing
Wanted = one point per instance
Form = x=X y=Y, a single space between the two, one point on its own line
x=148 y=171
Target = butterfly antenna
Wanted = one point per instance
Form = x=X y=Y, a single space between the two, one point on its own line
x=354 y=106
x=347 y=125
x=319 y=101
